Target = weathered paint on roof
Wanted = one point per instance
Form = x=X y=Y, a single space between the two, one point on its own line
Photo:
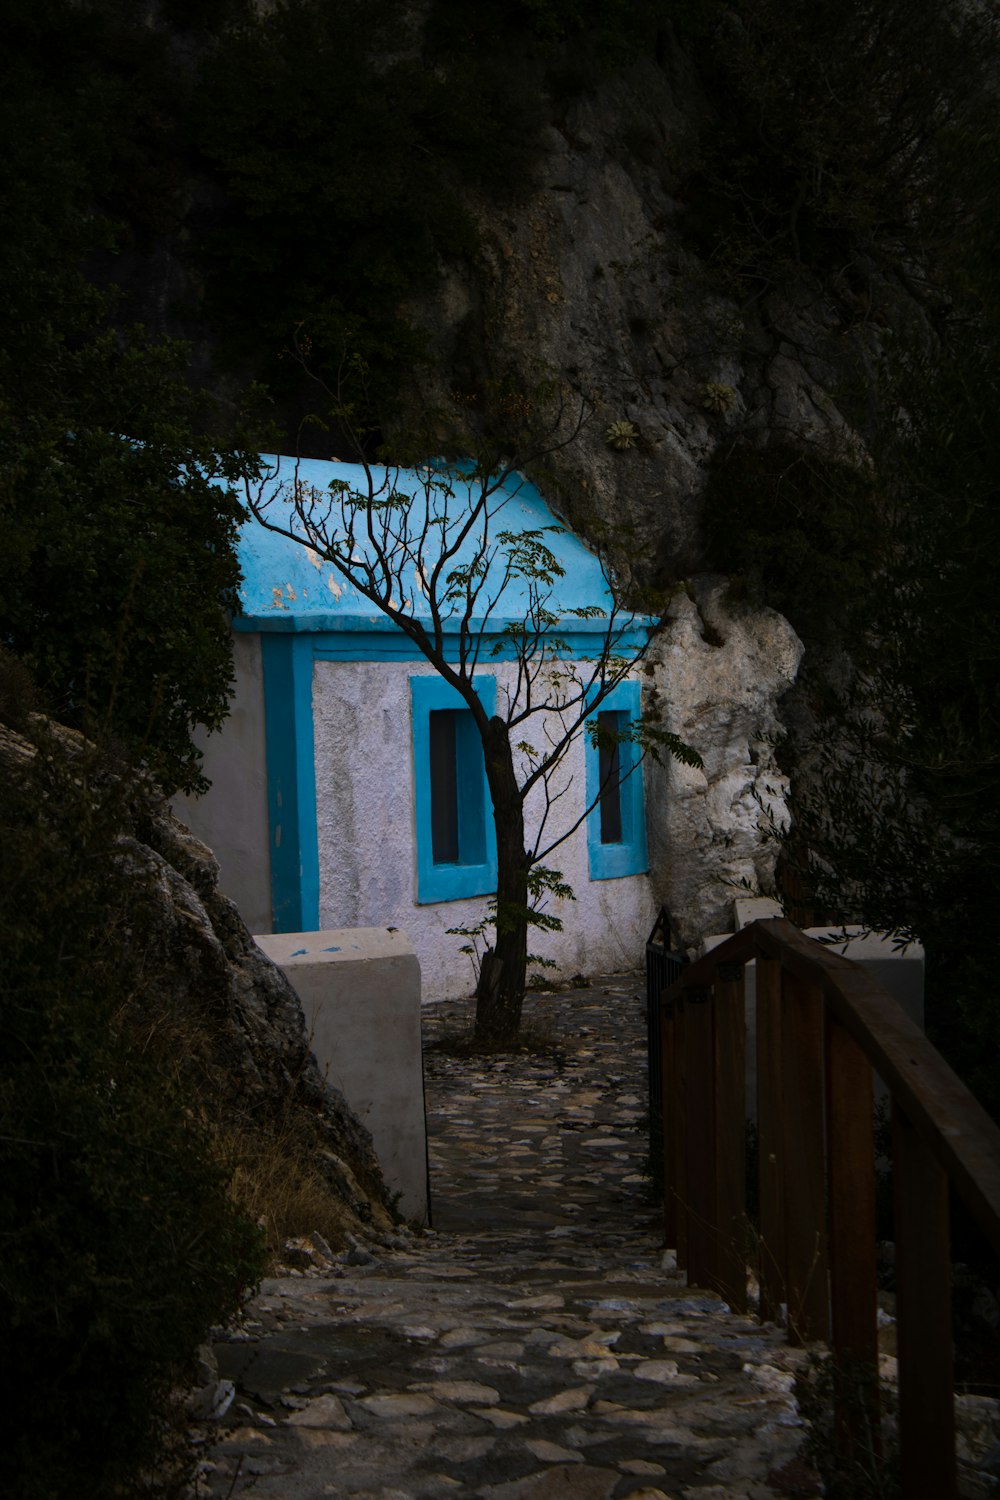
x=290 y=587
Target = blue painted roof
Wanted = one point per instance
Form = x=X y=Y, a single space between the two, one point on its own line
x=289 y=587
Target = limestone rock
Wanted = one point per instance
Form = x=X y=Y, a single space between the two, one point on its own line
x=717 y=673
x=591 y=275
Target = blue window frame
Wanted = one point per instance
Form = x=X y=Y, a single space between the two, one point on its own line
x=616 y=824
x=456 y=840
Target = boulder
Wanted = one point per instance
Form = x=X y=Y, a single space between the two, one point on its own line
x=240 y=1029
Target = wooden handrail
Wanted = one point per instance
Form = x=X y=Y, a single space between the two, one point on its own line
x=823 y=1027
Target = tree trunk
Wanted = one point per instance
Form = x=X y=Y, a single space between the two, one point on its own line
x=500 y=992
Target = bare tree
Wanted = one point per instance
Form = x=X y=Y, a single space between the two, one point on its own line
x=439 y=562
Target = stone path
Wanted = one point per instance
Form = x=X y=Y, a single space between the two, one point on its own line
x=533 y=1346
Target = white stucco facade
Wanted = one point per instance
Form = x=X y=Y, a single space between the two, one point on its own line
x=367 y=836
x=333 y=788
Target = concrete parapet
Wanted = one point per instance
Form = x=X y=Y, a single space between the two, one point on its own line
x=898 y=970
x=360 y=993
x=747 y=909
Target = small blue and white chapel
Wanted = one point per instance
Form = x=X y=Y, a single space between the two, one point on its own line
x=348 y=787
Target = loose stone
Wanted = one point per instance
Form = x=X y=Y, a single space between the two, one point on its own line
x=325 y=1411
x=459 y=1390
x=573 y=1400
x=551 y=1453
x=400 y=1405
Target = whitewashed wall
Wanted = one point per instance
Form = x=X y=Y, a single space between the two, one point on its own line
x=232 y=818
x=367 y=838
x=716 y=674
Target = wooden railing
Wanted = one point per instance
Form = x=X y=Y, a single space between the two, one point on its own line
x=823 y=1026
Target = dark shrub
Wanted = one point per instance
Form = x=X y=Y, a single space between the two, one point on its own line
x=118 y=1244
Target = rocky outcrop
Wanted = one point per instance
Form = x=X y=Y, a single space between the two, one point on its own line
x=600 y=271
x=716 y=673
x=206 y=955
x=596 y=278
x=239 y=1030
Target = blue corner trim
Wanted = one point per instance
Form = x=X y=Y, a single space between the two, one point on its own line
x=291 y=782
x=629 y=856
x=477 y=876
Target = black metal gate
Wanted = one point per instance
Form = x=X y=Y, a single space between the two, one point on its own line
x=663 y=965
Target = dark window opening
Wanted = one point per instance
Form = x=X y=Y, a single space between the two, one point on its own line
x=609 y=753
x=444 y=787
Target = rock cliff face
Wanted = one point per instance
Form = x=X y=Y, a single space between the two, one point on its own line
x=590 y=279
x=599 y=272
x=593 y=279
x=204 y=957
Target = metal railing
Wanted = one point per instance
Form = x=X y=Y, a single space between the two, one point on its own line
x=823 y=1028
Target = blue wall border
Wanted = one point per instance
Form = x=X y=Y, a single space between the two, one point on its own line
x=291 y=781
x=612 y=861
x=288 y=658
x=448 y=882
x=357 y=643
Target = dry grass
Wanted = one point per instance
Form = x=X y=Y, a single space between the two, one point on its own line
x=270 y=1160
x=273 y=1182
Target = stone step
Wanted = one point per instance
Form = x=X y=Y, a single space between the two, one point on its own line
x=534 y=1345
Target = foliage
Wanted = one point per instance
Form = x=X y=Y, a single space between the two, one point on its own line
x=851 y=137
x=718 y=397
x=916 y=773
x=118 y=1244
x=856 y=1454
x=889 y=574
x=118 y=566
x=342 y=149
x=276 y=1181
x=622 y=434
x=618 y=30
x=795 y=529
x=884 y=161
x=876 y=173
x=541 y=883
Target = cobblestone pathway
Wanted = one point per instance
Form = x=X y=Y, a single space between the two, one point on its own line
x=533 y=1346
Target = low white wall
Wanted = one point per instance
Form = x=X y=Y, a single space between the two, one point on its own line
x=360 y=992
x=367 y=837
x=232 y=817
x=898 y=970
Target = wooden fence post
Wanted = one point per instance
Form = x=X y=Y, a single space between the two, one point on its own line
x=851 y=1200
x=923 y=1318
x=681 y=1117
x=730 y=1135
x=700 y=1196
x=807 y=1287
x=672 y=1118
x=772 y=1254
